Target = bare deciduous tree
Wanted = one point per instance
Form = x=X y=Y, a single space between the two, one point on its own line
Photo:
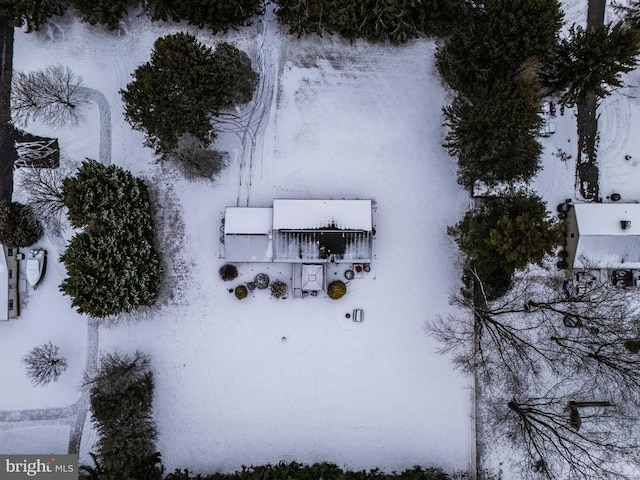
x=562 y=438
x=571 y=358
x=487 y=336
x=43 y=364
x=54 y=95
x=43 y=187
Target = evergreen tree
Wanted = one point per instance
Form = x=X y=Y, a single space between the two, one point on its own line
x=18 y=225
x=632 y=13
x=183 y=86
x=32 y=13
x=395 y=21
x=113 y=265
x=509 y=232
x=217 y=15
x=590 y=61
x=121 y=394
x=496 y=40
x=494 y=134
x=104 y=12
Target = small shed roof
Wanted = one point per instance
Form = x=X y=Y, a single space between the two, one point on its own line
x=312 y=277
x=248 y=220
x=319 y=214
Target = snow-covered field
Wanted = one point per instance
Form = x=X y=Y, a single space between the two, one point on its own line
x=344 y=121
x=264 y=380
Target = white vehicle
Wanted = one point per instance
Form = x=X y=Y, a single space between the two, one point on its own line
x=35 y=264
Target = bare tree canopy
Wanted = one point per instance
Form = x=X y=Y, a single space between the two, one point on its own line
x=561 y=438
x=54 y=95
x=43 y=187
x=44 y=364
x=558 y=368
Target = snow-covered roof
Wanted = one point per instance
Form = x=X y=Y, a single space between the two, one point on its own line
x=608 y=251
x=602 y=241
x=4 y=286
x=605 y=218
x=248 y=220
x=247 y=248
x=319 y=214
x=312 y=276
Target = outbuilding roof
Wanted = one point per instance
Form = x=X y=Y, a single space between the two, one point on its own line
x=248 y=220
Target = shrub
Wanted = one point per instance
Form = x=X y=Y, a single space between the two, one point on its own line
x=241 y=292
x=228 y=272
x=18 y=225
x=112 y=266
x=278 y=289
x=121 y=395
x=261 y=281
x=336 y=289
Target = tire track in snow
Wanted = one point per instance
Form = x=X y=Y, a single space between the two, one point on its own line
x=616 y=116
x=250 y=123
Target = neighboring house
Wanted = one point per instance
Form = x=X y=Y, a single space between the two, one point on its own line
x=308 y=234
x=9 y=305
x=605 y=237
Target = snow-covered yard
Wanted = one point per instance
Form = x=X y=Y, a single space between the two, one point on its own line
x=346 y=121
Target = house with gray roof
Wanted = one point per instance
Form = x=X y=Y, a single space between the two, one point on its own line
x=308 y=234
x=300 y=231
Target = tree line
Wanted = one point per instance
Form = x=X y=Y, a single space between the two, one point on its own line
x=500 y=62
x=216 y=15
x=391 y=20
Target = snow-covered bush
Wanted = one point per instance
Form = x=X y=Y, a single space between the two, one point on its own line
x=43 y=364
x=336 y=289
x=241 y=292
x=228 y=272
x=18 y=225
x=121 y=393
x=278 y=289
x=261 y=280
x=195 y=159
x=112 y=266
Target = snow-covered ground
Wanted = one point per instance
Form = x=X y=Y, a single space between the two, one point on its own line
x=344 y=121
x=265 y=380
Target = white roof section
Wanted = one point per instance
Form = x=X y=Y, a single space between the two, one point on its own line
x=318 y=214
x=312 y=277
x=605 y=218
x=608 y=251
x=602 y=242
x=248 y=248
x=248 y=220
x=4 y=286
